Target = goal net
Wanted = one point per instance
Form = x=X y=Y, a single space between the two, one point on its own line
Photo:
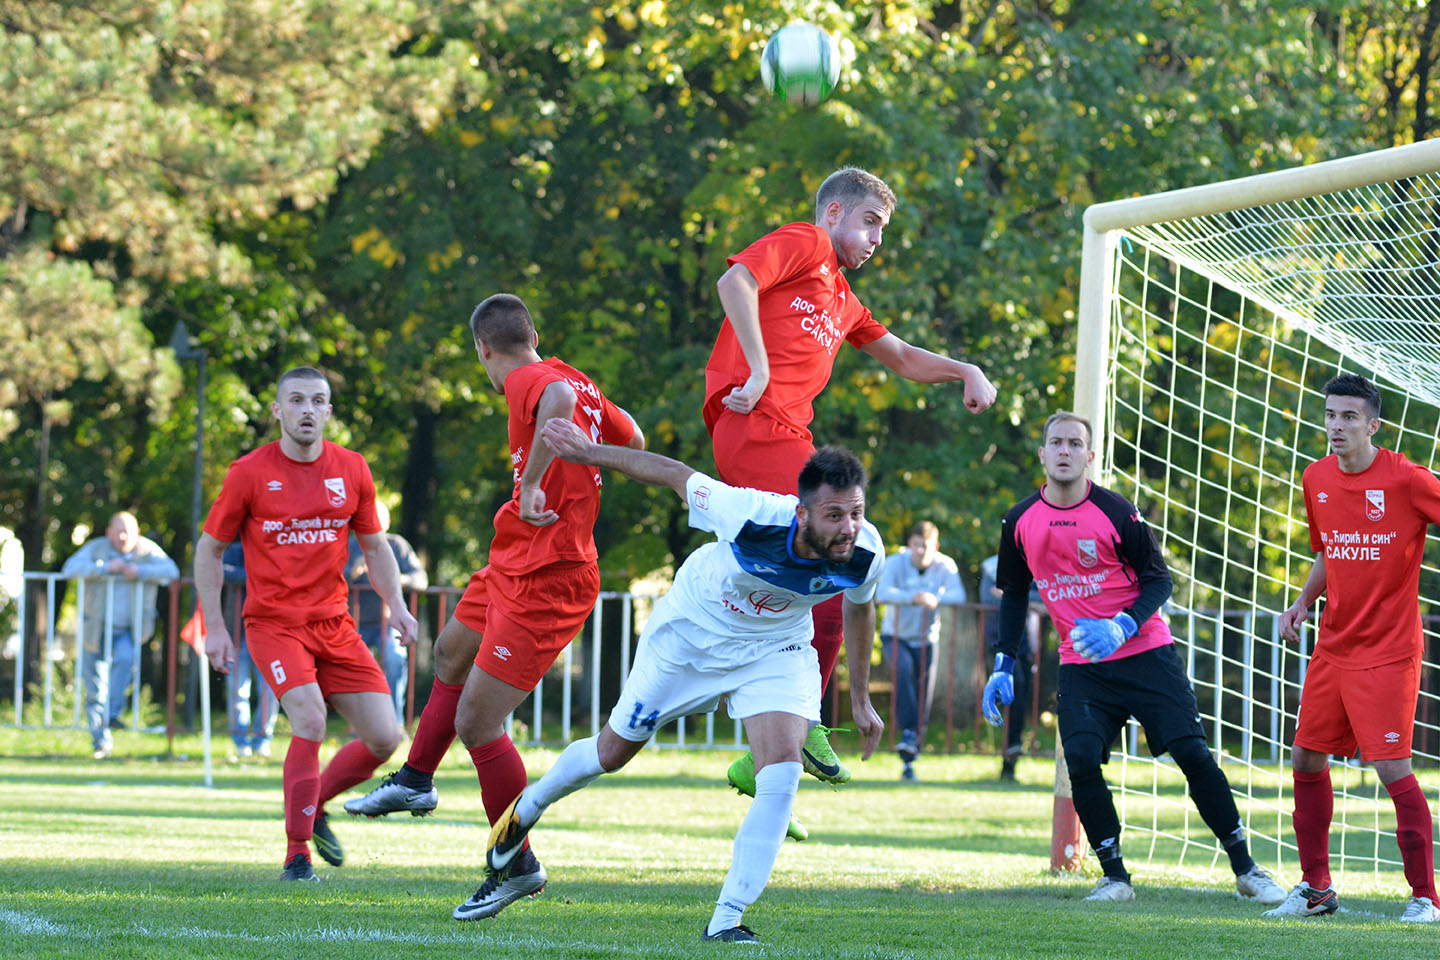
x=1210 y=320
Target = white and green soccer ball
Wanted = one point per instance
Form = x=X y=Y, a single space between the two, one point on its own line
x=801 y=64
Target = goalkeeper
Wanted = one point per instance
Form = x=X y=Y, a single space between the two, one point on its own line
x=1103 y=580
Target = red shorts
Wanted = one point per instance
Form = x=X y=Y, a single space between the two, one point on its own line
x=1372 y=708
x=526 y=621
x=753 y=450
x=327 y=652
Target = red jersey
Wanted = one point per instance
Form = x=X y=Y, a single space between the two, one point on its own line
x=572 y=490
x=806 y=310
x=1093 y=559
x=1371 y=526
x=294 y=521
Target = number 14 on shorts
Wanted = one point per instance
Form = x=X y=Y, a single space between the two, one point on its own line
x=639 y=719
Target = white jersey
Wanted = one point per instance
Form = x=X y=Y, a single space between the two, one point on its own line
x=749 y=584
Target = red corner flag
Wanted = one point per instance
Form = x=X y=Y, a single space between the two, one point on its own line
x=193 y=632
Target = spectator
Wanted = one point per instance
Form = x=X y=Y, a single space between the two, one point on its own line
x=913 y=585
x=252 y=730
x=394 y=658
x=117 y=620
x=1024 y=664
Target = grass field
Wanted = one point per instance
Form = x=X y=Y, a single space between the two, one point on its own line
x=131 y=857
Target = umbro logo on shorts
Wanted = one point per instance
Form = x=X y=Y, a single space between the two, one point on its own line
x=1392 y=737
x=502 y=653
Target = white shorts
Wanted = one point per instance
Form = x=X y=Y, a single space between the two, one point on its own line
x=681 y=669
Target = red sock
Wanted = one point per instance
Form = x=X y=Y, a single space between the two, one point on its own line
x=353 y=764
x=501 y=773
x=436 y=729
x=1314 y=806
x=1413 y=835
x=302 y=789
x=829 y=620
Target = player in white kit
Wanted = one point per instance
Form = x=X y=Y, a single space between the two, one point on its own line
x=736 y=625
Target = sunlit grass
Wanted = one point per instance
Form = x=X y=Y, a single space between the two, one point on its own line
x=132 y=857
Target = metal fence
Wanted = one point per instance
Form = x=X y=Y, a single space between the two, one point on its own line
x=572 y=699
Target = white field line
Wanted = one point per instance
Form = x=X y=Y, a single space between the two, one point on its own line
x=473 y=935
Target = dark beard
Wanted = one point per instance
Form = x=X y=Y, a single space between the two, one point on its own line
x=820 y=548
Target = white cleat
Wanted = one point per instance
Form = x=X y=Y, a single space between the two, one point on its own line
x=1305 y=901
x=1255 y=884
x=1113 y=891
x=1420 y=910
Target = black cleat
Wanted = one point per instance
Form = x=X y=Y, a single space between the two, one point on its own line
x=298 y=868
x=738 y=934
x=326 y=843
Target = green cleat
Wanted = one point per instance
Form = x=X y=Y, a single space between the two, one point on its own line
x=820 y=760
x=741 y=776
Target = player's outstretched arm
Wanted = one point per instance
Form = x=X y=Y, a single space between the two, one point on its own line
x=859 y=627
x=1298 y=612
x=209 y=577
x=740 y=296
x=922 y=366
x=570 y=443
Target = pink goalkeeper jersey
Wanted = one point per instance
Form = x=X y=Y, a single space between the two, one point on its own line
x=1091 y=559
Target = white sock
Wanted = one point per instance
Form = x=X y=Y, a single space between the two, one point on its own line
x=757 y=843
x=576 y=767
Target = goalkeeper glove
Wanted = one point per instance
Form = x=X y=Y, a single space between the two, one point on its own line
x=999 y=689
x=1096 y=639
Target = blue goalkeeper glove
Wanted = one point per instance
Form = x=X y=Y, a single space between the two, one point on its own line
x=1096 y=639
x=999 y=689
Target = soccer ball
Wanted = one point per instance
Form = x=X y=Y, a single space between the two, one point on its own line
x=801 y=63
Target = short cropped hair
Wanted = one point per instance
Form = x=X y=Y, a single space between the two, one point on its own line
x=301 y=373
x=850 y=186
x=503 y=321
x=1354 y=385
x=838 y=467
x=925 y=530
x=1065 y=416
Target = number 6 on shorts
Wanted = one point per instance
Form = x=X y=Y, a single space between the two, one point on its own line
x=277 y=670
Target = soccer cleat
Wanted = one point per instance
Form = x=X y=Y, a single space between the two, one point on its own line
x=1420 y=910
x=1305 y=901
x=1255 y=884
x=741 y=776
x=392 y=797
x=1113 y=891
x=907 y=773
x=736 y=934
x=525 y=878
x=820 y=760
x=507 y=839
x=262 y=749
x=326 y=843
x=298 y=868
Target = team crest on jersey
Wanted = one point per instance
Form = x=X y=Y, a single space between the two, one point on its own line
x=335 y=486
x=702 y=498
x=1374 y=504
x=819 y=583
x=1086 y=552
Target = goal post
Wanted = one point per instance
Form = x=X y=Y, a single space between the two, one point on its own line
x=1209 y=319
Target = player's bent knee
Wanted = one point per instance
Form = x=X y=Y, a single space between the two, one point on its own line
x=1191 y=754
x=614 y=751
x=455 y=651
x=1084 y=753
